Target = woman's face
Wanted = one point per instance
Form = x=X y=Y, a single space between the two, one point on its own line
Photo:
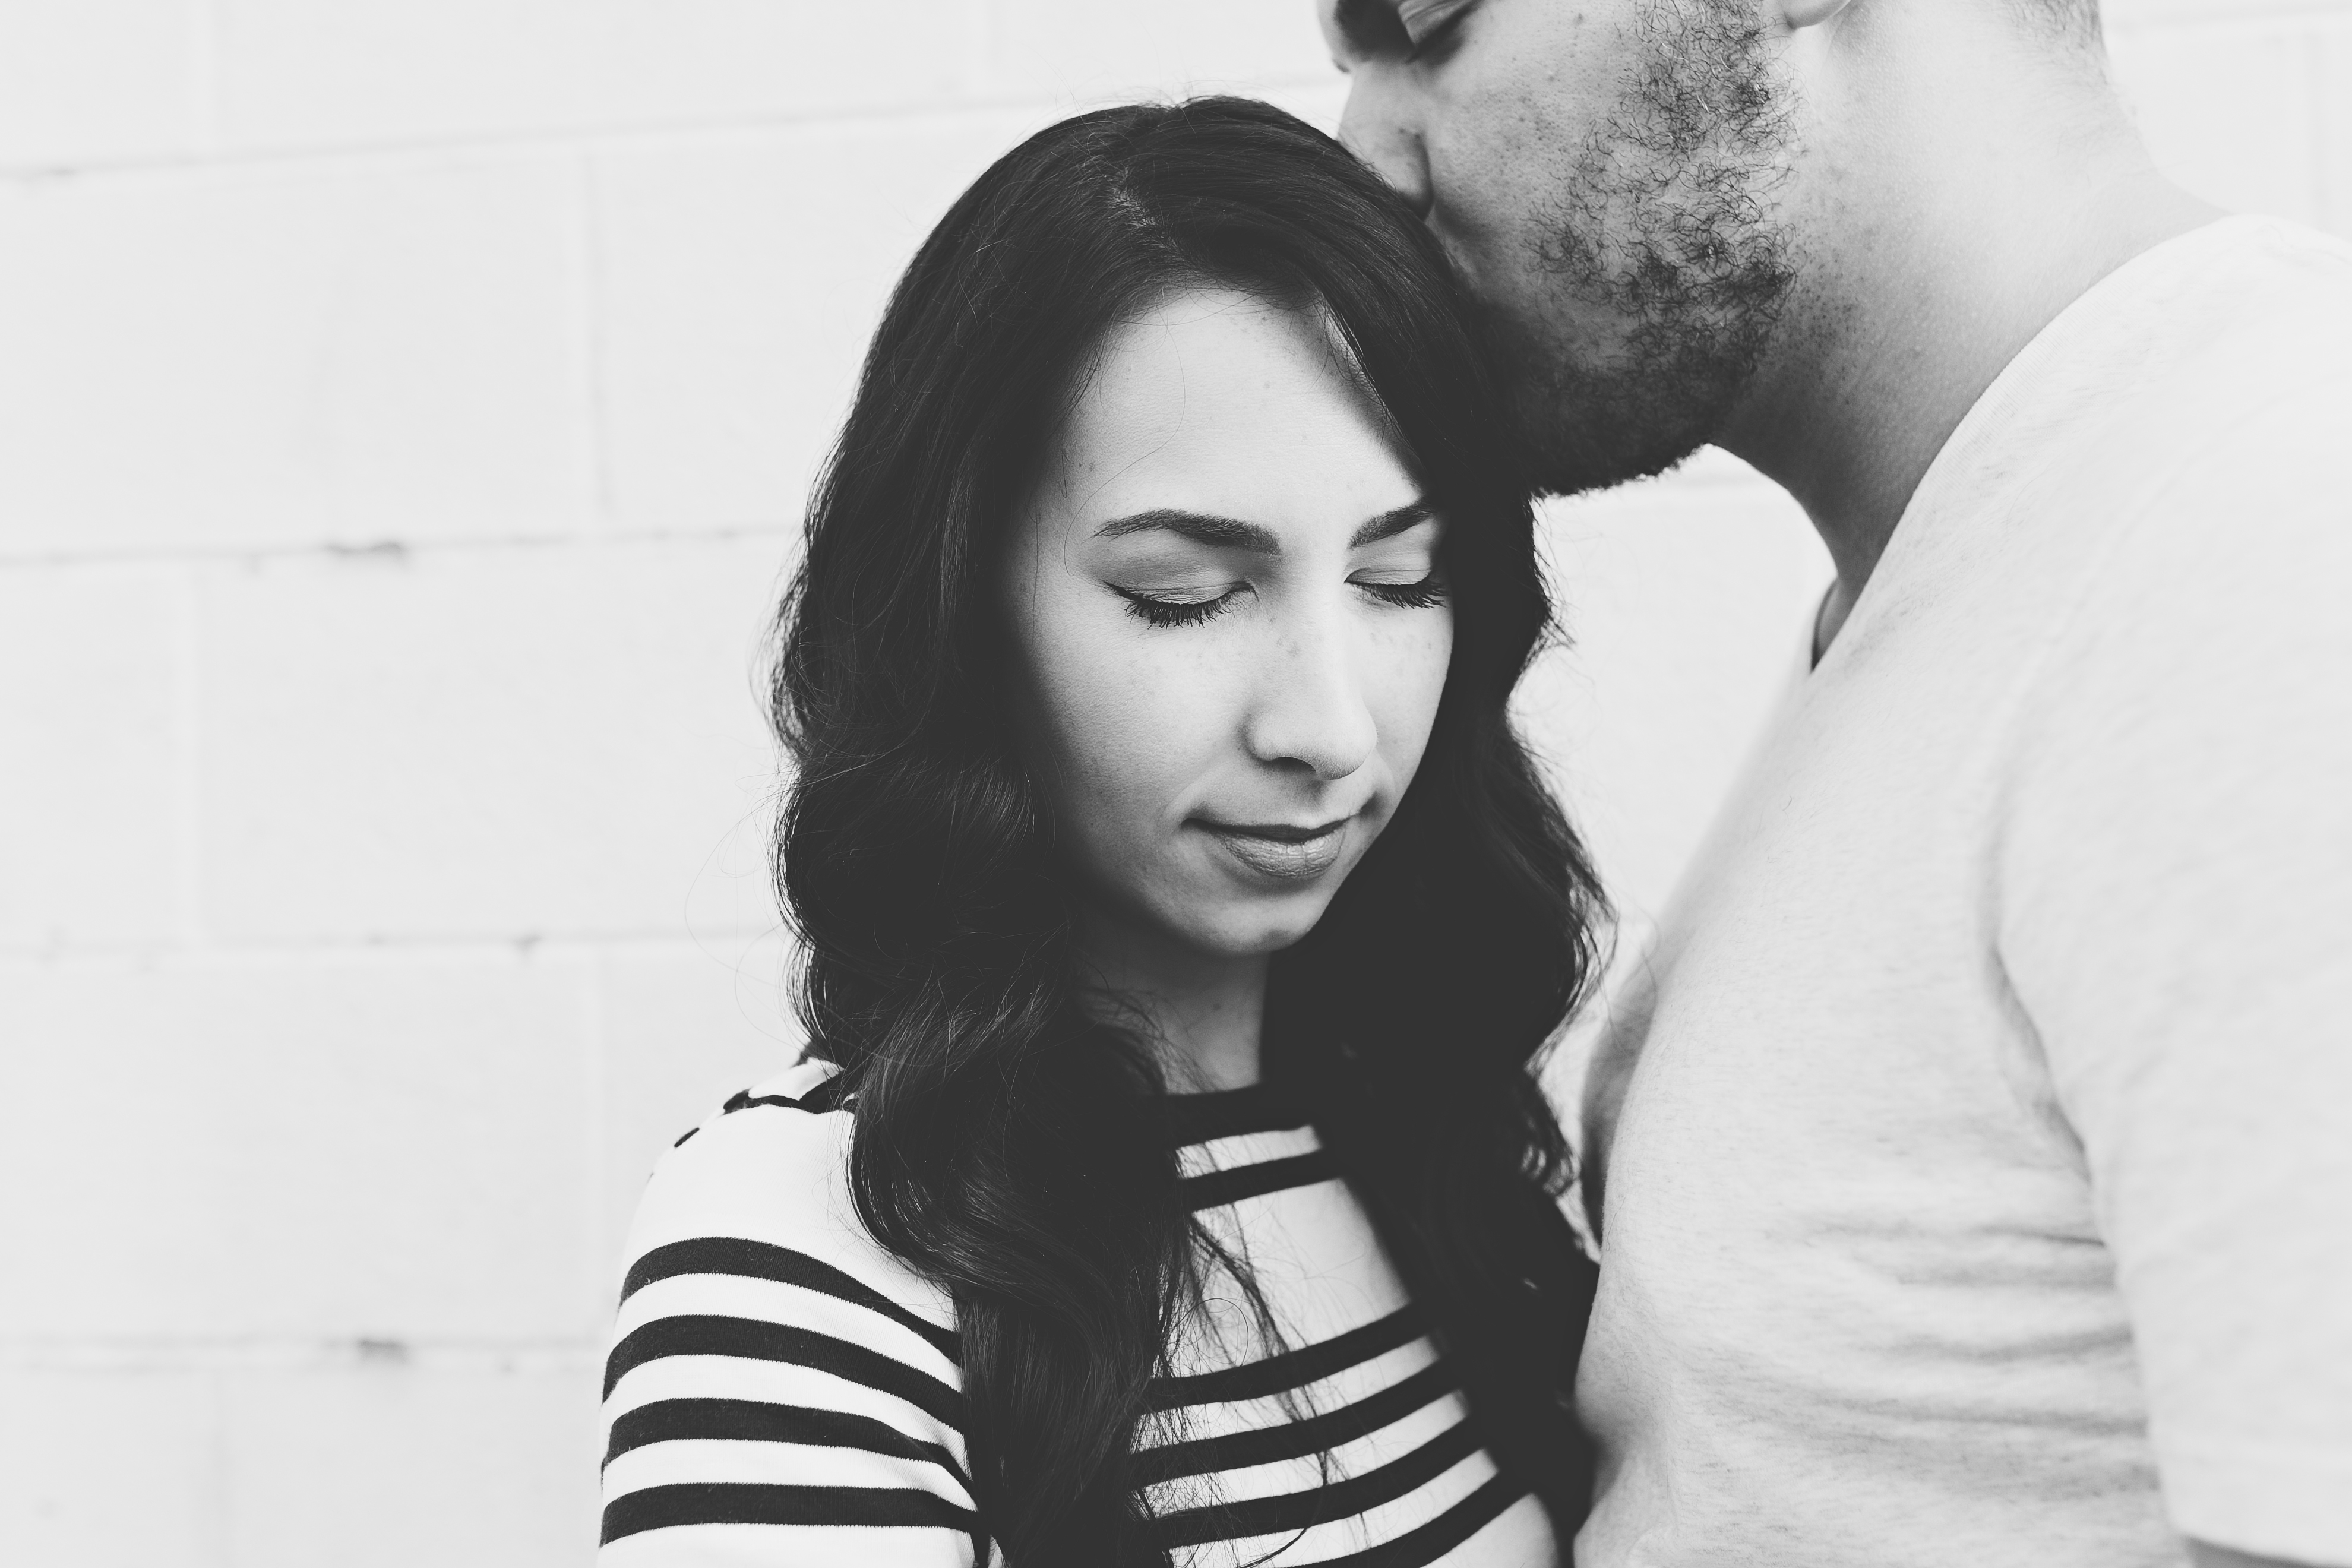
x=1224 y=596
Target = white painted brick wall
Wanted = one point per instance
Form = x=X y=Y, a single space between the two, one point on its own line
x=512 y=742
x=732 y=330
x=102 y=79
x=405 y=406
x=266 y=353
x=326 y=1145
x=90 y=672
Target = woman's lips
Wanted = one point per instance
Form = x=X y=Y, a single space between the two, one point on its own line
x=1278 y=850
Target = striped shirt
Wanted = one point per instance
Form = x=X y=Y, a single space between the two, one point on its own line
x=783 y=1390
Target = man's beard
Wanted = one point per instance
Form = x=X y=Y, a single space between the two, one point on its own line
x=1665 y=234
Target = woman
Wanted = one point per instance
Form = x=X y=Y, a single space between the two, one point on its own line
x=1168 y=1180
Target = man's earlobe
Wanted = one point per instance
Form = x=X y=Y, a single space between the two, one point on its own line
x=1798 y=13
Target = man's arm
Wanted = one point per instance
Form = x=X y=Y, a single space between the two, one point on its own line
x=2175 y=896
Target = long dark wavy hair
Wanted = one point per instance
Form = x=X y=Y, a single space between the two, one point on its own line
x=1008 y=1139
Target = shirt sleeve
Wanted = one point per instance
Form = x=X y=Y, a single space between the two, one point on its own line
x=779 y=1391
x=2175 y=915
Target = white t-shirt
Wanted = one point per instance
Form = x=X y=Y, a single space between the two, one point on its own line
x=1981 y=1188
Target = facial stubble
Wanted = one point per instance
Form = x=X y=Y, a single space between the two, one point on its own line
x=1665 y=267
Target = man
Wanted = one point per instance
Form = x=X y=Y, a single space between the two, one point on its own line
x=1975 y=1160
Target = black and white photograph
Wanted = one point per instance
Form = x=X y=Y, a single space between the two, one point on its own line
x=1261 y=784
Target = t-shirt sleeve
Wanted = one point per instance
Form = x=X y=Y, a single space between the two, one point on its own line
x=2175 y=915
x=779 y=1390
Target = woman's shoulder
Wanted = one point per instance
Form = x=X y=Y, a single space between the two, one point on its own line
x=789 y=1125
x=766 y=1174
x=772 y=1367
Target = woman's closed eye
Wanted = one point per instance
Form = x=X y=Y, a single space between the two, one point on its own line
x=1195 y=607
x=1422 y=592
x=1179 y=606
x=1403 y=571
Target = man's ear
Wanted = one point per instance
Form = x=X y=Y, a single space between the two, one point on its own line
x=1796 y=14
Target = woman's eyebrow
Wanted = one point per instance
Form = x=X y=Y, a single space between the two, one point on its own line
x=1388 y=524
x=1202 y=528
x=1232 y=534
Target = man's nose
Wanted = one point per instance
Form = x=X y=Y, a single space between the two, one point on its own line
x=1375 y=130
x=1311 y=712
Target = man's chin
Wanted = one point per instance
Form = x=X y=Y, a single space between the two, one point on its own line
x=1585 y=467
x=1572 y=447
x=1581 y=430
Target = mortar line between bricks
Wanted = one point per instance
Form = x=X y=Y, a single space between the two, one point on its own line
x=784 y=533
x=394 y=549
x=336 y=1343
x=364 y=1354
x=430 y=147
x=392 y=949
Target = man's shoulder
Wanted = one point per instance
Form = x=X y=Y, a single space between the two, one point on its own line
x=2258 y=311
x=2204 y=389
x=2237 y=442
x=2293 y=250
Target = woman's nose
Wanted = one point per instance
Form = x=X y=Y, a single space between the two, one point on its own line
x=1310 y=710
x=1374 y=128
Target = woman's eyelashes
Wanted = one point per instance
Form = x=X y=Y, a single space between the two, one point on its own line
x=1189 y=608
x=1427 y=594
x=1158 y=610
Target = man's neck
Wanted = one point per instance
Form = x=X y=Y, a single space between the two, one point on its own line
x=1202 y=1013
x=1967 y=215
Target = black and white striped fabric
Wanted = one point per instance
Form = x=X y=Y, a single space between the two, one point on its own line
x=781 y=1390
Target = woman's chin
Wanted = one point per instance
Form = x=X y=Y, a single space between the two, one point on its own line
x=1262 y=927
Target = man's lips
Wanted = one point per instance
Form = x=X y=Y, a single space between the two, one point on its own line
x=1290 y=852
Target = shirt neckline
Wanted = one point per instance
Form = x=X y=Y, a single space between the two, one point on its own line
x=2006 y=392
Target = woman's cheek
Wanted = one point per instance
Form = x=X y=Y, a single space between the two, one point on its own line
x=1414 y=683
x=1150 y=702
x=1126 y=716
